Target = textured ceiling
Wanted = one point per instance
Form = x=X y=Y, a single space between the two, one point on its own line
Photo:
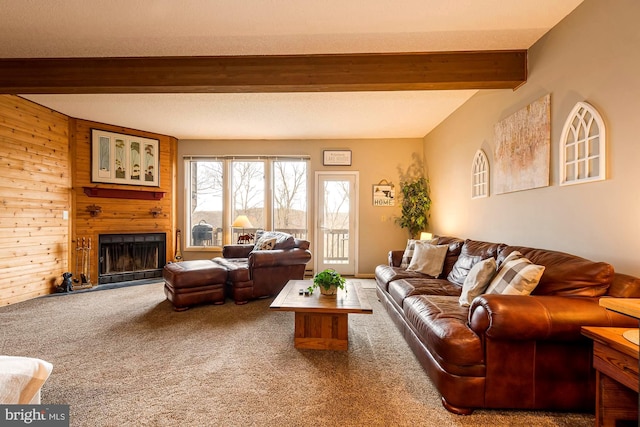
x=77 y=28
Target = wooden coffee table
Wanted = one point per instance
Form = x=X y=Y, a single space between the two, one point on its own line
x=321 y=322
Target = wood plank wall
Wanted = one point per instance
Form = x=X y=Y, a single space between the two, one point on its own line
x=35 y=182
x=119 y=215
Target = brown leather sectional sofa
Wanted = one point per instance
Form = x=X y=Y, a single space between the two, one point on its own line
x=505 y=351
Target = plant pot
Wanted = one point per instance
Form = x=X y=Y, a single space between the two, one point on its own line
x=331 y=292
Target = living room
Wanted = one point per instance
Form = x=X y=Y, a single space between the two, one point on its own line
x=590 y=56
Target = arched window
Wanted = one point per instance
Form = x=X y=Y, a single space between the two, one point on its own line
x=582 y=146
x=480 y=176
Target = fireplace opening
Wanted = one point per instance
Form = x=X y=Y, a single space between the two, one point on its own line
x=127 y=257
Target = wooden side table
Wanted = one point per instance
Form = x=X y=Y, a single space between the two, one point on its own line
x=616 y=362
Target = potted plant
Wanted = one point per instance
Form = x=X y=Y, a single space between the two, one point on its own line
x=329 y=281
x=415 y=205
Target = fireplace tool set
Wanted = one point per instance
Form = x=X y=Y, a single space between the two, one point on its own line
x=83 y=263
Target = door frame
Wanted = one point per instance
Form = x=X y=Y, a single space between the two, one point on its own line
x=355 y=214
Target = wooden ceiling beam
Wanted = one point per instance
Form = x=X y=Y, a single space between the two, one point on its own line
x=279 y=73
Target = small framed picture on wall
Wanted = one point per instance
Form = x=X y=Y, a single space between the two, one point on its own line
x=336 y=158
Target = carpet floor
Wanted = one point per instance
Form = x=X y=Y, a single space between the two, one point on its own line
x=123 y=357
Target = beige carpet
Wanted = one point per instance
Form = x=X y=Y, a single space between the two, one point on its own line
x=123 y=357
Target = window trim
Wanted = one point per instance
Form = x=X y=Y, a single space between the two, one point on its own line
x=578 y=112
x=227 y=196
x=480 y=170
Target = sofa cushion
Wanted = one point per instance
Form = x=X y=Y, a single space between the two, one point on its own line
x=428 y=258
x=516 y=276
x=477 y=280
x=403 y=288
x=472 y=252
x=455 y=246
x=441 y=324
x=237 y=268
x=566 y=274
x=302 y=243
x=386 y=274
x=462 y=267
x=624 y=286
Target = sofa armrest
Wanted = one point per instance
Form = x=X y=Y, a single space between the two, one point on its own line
x=236 y=251
x=276 y=257
x=513 y=317
x=395 y=258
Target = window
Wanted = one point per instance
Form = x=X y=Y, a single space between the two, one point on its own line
x=290 y=197
x=480 y=176
x=205 y=206
x=248 y=191
x=582 y=146
x=270 y=192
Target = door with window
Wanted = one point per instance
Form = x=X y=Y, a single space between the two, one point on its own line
x=336 y=233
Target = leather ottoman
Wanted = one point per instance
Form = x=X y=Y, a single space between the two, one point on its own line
x=188 y=283
x=239 y=283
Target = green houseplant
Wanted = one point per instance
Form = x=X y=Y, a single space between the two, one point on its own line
x=329 y=281
x=415 y=205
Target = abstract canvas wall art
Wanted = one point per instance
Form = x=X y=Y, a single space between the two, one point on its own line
x=522 y=148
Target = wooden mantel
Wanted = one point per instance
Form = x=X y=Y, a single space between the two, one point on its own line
x=505 y=69
x=115 y=193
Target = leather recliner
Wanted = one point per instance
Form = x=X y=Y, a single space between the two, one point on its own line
x=262 y=273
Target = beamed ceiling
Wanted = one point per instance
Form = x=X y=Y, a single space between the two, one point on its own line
x=268 y=69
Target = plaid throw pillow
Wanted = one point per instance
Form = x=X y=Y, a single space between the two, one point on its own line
x=516 y=276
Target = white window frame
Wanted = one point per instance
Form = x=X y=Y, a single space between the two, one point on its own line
x=480 y=175
x=227 y=197
x=584 y=125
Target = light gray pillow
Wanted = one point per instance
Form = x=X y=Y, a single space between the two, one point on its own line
x=427 y=258
x=477 y=280
x=408 y=251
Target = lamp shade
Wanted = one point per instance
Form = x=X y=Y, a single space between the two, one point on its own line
x=242 y=222
x=426 y=236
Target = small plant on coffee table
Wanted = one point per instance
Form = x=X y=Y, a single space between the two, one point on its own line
x=329 y=281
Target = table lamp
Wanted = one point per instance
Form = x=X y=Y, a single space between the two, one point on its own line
x=241 y=222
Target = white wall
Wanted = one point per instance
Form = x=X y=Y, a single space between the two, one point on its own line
x=593 y=55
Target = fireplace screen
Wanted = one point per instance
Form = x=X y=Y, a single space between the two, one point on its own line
x=125 y=257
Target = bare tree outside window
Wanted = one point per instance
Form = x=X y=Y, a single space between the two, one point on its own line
x=290 y=197
x=248 y=195
x=206 y=203
x=336 y=221
x=221 y=189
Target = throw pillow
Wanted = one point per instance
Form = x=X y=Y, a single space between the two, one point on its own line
x=477 y=280
x=517 y=276
x=265 y=244
x=462 y=267
x=283 y=240
x=408 y=251
x=428 y=258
